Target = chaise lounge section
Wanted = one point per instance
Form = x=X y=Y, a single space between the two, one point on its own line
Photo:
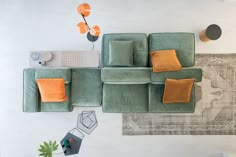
x=83 y=88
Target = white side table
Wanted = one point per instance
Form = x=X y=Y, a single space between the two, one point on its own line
x=64 y=59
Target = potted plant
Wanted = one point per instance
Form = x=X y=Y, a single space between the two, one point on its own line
x=47 y=148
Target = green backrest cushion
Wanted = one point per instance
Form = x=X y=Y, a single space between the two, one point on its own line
x=140 y=47
x=121 y=53
x=54 y=73
x=160 y=77
x=183 y=43
x=127 y=75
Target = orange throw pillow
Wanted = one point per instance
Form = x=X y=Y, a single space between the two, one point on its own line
x=165 y=60
x=52 y=89
x=177 y=90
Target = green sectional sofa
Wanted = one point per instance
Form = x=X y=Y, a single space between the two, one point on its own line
x=120 y=88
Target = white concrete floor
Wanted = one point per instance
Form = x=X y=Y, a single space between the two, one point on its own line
x=28 y=25
x=21 y=134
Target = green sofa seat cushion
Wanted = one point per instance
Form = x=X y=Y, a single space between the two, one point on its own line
x=160 y=77
x=121 y=53
x=58 y=106
x=155 y=101
x=129 y=75
x=183 y=43
x=54 y=73
x=125 y=98
x=140 y=47
x=86 y=87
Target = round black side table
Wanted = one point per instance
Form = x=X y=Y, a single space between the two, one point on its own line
x=212 y=32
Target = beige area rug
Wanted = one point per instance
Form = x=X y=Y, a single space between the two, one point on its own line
x=214 y=114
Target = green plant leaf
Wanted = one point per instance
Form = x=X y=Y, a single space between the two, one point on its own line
x=43 y=147
x=41 y=150
x=56 y=147
x=46 y=149
x=54 y=143
x=46 y=144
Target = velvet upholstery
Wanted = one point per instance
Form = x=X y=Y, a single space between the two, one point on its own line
x=121 y=53
x=58 y=106
x=177 y=90
x=156 y=105
x=125 y=98
x=160 y=77
x=138 y=75
x=120 y=89
x=140 y=47
x=86 y=87
x=52 y=89
x=165 y=60
x=31 y=98
x=183 y=43
x=54 y=73
x=30 y=91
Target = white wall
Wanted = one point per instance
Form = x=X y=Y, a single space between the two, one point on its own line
x=27 y=25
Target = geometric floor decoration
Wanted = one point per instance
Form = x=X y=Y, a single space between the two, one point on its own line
x=214 y=114
x=87 y=121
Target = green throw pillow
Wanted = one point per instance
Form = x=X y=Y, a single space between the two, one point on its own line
x=121 y=53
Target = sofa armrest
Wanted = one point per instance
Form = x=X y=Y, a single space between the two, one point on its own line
x=30 y=91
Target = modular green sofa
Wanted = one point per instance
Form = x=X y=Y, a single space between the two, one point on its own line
x=83 y=88
x=119 y=88
x=136 y=88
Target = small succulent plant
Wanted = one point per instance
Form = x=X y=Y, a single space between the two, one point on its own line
x=47 y=149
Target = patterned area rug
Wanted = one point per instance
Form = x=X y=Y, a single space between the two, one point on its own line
x=215 y=104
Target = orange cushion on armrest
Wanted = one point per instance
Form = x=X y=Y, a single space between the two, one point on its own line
x=52 y=89
x=165 y=60
x=178 y=90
